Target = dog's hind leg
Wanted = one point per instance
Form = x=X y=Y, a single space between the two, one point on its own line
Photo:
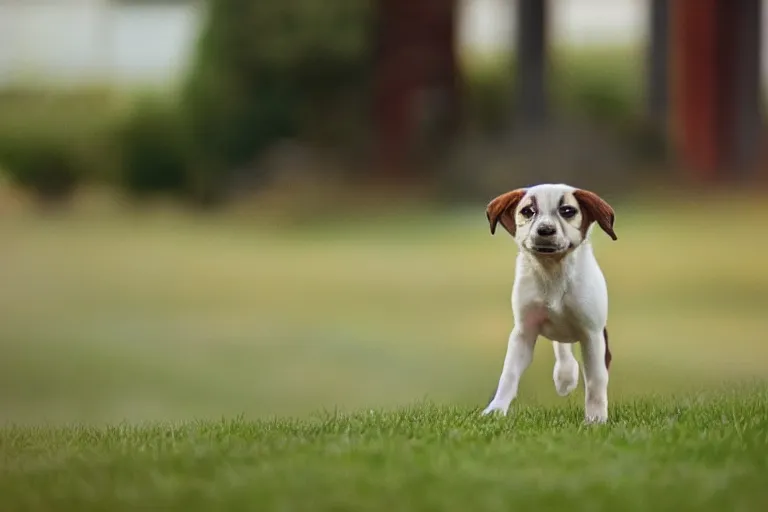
x=566 y=373
x=597 y=359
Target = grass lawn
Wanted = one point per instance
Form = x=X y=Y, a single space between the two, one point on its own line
x=697 y=453
x=153 y=358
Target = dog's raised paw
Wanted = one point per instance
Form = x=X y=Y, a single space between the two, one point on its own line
x=566 y=377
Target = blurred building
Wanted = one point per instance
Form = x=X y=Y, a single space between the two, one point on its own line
x=103 y=42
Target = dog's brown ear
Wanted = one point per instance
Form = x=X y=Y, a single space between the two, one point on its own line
x=595 y=209
x=502 y=208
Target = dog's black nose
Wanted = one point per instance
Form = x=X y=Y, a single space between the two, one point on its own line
x=546 y=230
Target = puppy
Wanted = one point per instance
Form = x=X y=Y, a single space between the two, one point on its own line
x=559 y=290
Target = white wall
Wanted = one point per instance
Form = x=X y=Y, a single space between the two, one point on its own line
x=174 y=32
x=489 y=25
x=87 y=41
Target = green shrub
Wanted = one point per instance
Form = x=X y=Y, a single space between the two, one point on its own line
x=603 y=85
x=271 y=70
x=600 y=98
x=48 y=166
x=52 y=140
x=152 y=154
x=489 y=93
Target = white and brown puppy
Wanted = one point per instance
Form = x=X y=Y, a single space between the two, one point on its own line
x=559 y=290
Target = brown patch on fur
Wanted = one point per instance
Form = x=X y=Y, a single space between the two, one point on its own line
x=502 y=209
x=595 y=209
x=608 y=356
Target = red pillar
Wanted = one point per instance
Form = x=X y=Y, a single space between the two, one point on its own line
x=416 y=69
x=697 y=86
x=716 y=86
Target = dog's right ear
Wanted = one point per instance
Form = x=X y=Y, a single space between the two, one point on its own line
x=596 y=210
x=502 y=209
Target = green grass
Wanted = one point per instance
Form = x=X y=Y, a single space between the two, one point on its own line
x=659 y=453
x=165 y=316
x=126 y=338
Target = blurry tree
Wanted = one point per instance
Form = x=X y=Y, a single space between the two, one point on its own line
x=46 y=166
x=152 y=151
x=416 y=98
x=53 y=141
x=267 y=70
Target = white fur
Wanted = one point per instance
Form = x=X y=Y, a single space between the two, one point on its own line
x=562 y=297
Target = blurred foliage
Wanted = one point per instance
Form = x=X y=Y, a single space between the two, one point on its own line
x=598 y=133
x=488 y=81
x=603 y=85
x=47 y=166
x=50 y=142
x=265 y=71
x=597 y=85
x=153 y=157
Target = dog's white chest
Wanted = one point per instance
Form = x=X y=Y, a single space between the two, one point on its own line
x=563 y=302
x=560 y=324
x=555 y=315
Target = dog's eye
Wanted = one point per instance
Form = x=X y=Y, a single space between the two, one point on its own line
x=527 y=212
x=567 y=211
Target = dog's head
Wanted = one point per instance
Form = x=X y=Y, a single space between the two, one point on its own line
x=550 y=220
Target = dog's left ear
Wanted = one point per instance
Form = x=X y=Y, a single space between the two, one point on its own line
x=501 y=209
x=595 y=209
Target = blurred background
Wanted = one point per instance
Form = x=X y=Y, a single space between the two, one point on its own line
x=278 y=207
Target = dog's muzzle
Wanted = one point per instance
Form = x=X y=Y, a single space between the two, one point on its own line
x=546 y=246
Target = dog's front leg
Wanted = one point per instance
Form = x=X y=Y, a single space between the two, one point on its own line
x=593 y=350
x=518 y=358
